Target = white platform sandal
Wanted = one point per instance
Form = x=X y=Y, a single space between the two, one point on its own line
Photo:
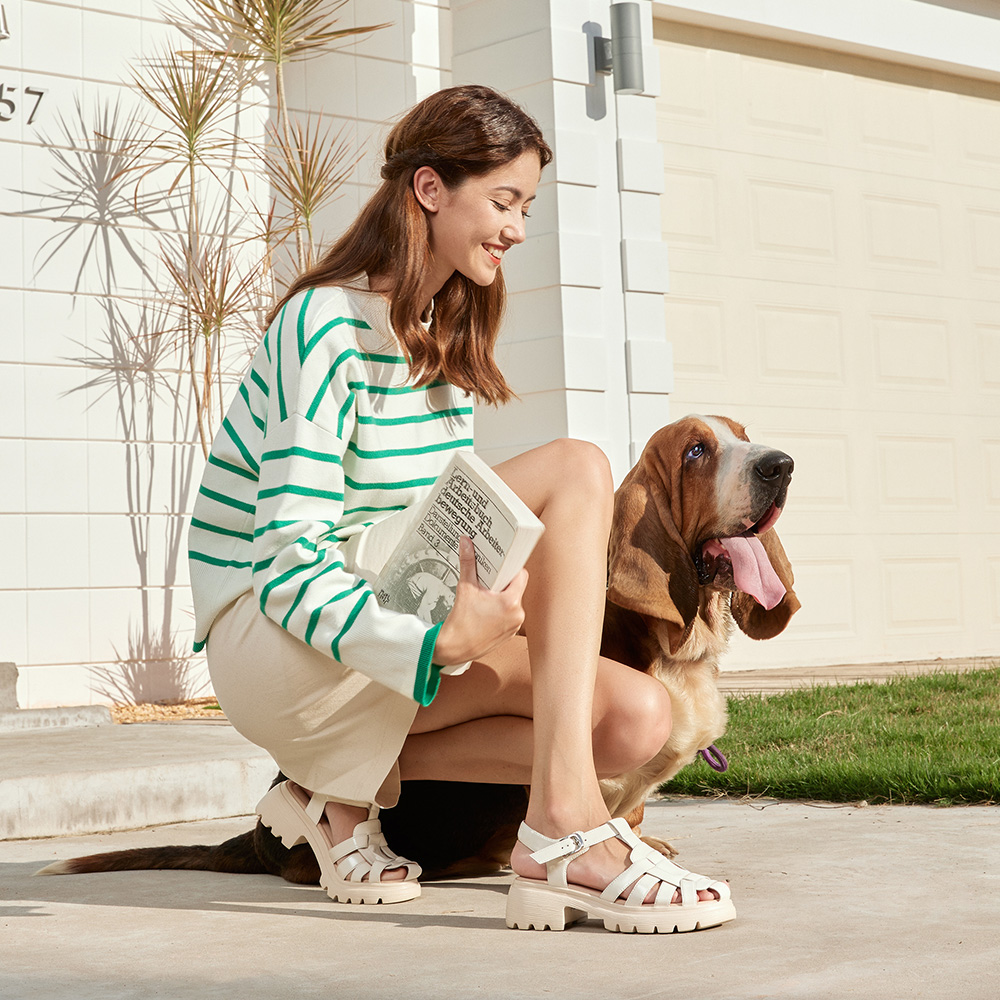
x=554 y=903
x=350 y=871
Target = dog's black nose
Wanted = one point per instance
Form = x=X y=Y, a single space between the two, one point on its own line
x=773 y=466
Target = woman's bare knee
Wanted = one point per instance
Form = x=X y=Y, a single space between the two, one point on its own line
x=581 y=465
x=564 y=474
x=632 y=729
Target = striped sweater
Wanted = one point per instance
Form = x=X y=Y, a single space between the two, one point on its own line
x=325 y=436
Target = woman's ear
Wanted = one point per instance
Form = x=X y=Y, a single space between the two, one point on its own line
x=428 y=188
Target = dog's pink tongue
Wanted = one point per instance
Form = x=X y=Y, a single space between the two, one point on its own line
x=752 y=570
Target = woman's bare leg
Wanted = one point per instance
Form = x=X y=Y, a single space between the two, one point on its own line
x=479 y=727
x=568 y=485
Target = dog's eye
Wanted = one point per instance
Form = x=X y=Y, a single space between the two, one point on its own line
x=695 y=451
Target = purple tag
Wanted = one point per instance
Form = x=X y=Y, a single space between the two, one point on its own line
x=715 y=758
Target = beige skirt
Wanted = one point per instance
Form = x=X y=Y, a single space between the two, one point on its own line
x=329 y=728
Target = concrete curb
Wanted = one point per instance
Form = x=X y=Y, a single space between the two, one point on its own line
x=68 y=782
x=81 y=803
x=55 y=718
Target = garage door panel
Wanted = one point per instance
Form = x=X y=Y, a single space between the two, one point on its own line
x=783 y=100
x=987 y=344
x=892 y=117
x=834 y=226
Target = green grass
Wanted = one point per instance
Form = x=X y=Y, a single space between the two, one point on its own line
x=929 y=739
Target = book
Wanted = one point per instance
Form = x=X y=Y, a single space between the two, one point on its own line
x=468 y=498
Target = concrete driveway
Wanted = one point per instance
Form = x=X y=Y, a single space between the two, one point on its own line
x=834 y=902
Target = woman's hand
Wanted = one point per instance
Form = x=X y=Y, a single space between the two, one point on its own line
x=479 y=620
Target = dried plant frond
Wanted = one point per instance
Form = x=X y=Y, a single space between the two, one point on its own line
x=276 y=31
x=197 y=94
x=212 y=285
x=308 y=172
x=215 y=297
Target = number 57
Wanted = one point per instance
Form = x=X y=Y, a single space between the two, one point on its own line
x=11 y=107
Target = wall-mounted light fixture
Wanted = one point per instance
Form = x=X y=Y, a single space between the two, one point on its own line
x=621 y=54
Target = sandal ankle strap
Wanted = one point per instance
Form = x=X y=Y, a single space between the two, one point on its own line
x=557 y=853
x=314 y=810
x=548 y=849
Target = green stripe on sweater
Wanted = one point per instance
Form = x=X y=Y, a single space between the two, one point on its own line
x=372 y=510
x=258 y=381
x=277 y=525
x=245 y=395
x=293 y=489
x=318 y=612
x=402 y=452
x=279 y=332
x=420 y=418
x=428 y=678
x=359 y=324
x=235 y=469
x=300 y=325
x=285 y=577
x=249 y=508
x=355 y=611
x=393 y=390
x=243 y=536
x=212 y=561
x=304 y=588
x=324 y=386
x=403 y=485
x=243 y=450
x=318 y=456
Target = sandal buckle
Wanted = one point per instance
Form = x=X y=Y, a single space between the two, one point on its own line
x=578 y=842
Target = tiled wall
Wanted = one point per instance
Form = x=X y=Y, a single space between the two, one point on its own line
x=94 y=603
x=99 y=473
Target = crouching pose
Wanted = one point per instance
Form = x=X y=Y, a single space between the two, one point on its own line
x=359 y=393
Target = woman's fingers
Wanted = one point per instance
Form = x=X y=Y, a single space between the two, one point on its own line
x=480 y=620
x=467 y=561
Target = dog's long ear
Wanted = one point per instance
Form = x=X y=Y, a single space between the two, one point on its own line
x=751 y=617
x=649 y=570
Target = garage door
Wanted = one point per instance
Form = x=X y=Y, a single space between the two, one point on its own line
x=834 y=231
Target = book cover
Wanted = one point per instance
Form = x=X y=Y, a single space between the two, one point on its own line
x=468 y=498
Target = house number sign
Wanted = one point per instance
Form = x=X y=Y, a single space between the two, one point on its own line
x=11 y=103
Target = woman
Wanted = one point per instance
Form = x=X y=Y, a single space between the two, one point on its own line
x=358 y=395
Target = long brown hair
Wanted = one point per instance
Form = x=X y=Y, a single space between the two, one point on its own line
x=460 y=132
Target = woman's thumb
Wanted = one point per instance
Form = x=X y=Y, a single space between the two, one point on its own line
x=467 y=560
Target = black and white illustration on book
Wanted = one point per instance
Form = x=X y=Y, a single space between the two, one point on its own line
x=468 y=498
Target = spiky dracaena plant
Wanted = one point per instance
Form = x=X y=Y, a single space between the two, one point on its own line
x=198 y=95
x=304 y=164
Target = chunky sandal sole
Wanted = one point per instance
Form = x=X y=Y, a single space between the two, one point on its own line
x=284 y=816
x=534 y=905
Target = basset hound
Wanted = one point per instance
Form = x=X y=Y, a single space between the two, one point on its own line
x=692 y=554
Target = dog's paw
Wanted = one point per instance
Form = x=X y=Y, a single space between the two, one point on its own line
x=661 y=845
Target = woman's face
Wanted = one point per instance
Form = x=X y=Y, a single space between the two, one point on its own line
x=473 y=225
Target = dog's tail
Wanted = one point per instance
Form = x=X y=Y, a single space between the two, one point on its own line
x=236 y=856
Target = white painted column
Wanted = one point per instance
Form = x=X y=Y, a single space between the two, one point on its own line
x=591 y=271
